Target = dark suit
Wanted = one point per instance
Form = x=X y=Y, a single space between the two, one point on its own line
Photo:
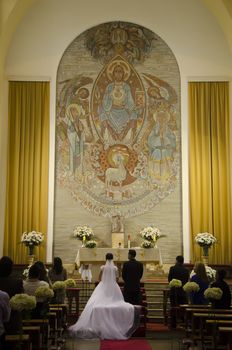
x=181 y=273
x=177 y=295
x=225 y=301
x=12 y=286
x=132 y=272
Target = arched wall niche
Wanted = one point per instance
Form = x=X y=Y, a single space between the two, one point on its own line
x=118 y=138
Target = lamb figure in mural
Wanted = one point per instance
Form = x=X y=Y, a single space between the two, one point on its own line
x=115 y=175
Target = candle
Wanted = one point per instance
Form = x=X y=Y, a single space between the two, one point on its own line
x=129 y=241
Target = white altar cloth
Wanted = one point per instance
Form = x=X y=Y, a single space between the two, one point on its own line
x=89 y=255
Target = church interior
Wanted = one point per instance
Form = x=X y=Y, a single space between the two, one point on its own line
x=115 y=124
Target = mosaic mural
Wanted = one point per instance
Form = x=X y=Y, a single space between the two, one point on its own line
x=118 y=121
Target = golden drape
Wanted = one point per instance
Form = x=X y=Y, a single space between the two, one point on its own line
x=27 y=167
x=209 y=168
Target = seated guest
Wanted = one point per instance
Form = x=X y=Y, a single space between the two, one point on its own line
x=177 y=295
x=43 y=275
x=30 y=285
x=57 y=272
x=33 y=282
x=200 y=277
x=4 y=317
x=225 y=301
x=11 y=285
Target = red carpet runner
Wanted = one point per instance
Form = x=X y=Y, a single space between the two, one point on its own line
x=131 y=344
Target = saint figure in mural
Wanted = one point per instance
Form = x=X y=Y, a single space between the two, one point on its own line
x=76 y=129
x=162 y=144
x=119 y=111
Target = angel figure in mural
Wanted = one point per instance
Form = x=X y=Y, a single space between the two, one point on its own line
x=162 y=144
x=119 y=112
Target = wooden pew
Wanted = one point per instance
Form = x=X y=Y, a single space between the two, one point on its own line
x=201 y=318
x=228 y=332
x=44 y=328
x=16 y=339
x=35 y=336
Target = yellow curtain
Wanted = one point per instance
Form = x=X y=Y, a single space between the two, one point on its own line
x=209 y=168
x=27 y=168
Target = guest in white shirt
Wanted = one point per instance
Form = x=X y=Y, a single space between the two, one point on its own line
x=33 y=282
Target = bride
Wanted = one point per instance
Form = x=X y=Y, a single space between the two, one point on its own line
x=106 y=314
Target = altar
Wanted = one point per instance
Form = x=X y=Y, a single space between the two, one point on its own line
x=97 y=255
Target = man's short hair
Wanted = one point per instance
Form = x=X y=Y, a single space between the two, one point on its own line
x=132 y=252
x=6 y=266
x=180 y=259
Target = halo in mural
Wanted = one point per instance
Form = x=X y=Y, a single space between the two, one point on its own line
x=118 y=127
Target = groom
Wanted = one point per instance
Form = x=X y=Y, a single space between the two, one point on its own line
x=132 y=272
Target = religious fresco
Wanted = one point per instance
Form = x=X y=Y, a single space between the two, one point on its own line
x=118 y=120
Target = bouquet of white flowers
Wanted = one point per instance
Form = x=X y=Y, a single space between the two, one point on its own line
x=150 y=233
x=91 y=244
x=32 y=238
x=205 y=239
x=70 y=283
x=26 y=271
x=190 y=287
x=175 y=283
x=83 y=231
x=59 y=285
x=44 y=292
x=213 y=293
x=147 y=244
x=22 y=302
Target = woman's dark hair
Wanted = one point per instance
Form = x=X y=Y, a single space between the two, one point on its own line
x=43 y=272
x=109 y=256
x=34 y=271
x=200 y=271
x=6 y=265
x=57 y=265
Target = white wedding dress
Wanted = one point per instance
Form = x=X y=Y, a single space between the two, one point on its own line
x=106 y=314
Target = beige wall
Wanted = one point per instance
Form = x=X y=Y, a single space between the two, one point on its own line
x=48 y=26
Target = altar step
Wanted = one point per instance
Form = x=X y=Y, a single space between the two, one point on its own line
x=153 y=293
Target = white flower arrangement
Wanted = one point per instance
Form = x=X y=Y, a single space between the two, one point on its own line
x=83 y=231
x=26 y=271
x=213 y=293
x=44 y=292
x=22 y=302
x=205 y=239
x=147 y=244
x=190 y=287
x=175 y=283
x=91 y=244
x=150 y=233
x=211 y=273
x=32 y=238
x=70 y=283
x=59 y=285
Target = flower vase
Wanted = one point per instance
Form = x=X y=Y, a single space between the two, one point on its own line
x=205 y=256
x=31 y=256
